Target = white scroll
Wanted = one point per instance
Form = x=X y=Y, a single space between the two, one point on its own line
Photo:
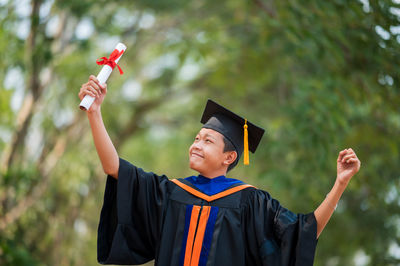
x=105 y=72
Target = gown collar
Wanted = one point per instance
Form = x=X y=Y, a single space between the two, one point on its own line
x=212 y=186
x=200 y=179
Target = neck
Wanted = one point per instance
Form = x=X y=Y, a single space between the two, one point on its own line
x=213 y=174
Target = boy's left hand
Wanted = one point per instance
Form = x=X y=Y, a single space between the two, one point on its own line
x=347 y=165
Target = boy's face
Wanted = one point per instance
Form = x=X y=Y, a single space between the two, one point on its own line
x=206 y=154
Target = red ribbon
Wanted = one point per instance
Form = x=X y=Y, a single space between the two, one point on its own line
x=111 y=61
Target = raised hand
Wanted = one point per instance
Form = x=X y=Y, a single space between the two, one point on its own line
x=347 y=165
x=95 y=89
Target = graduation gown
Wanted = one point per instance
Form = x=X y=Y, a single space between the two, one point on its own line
x=195 y=222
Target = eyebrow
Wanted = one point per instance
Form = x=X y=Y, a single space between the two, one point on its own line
x=207 y=135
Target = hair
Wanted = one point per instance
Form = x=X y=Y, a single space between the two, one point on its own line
x=229 y=147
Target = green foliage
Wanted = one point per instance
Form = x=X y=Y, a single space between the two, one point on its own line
x=320 y=76
x=15 y=254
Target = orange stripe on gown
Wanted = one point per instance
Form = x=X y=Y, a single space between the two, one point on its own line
x=201 y=229
x=192 y=231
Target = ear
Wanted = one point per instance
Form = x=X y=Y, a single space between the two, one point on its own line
x=230 y=157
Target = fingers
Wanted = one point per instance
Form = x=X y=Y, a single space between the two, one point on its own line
x=103 y=89
x=341 y=154
x=92 y=88
x=84 y=91
x=92 y=77
x=88 y=89
x=353 y=160
x=96 y=81
x=347 y=155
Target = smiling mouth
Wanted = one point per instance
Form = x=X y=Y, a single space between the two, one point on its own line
x=196 y=155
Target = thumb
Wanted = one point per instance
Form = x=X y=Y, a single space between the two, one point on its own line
x=103 y=88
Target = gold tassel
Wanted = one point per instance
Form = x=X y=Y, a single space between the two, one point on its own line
x=246 y=144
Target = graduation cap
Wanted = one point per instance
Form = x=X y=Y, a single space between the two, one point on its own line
x=241 y=133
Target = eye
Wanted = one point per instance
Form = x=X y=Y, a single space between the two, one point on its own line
x=208 y=141
x=197 y=138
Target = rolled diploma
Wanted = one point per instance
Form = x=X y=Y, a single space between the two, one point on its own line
x=105 y=72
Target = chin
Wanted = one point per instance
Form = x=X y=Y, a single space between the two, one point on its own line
x=194 y=166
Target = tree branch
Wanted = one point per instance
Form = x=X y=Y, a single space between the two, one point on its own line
x=26 y=112
x=132 y=127
x=45 y=169
x=267 y=9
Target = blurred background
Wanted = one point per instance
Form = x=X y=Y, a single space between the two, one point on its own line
x=319 y=76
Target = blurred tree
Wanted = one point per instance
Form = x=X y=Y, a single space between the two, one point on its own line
x=319 y=76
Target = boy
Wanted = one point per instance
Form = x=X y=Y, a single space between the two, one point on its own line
x=206 y=219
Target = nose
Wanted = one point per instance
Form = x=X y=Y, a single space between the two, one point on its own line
x=196 y=146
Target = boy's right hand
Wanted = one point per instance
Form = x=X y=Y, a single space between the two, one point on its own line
x=95 y=89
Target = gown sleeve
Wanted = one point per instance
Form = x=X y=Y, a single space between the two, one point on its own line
x=277 y=236
x=131 y=217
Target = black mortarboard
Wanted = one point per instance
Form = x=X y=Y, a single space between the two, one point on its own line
x=244 y=135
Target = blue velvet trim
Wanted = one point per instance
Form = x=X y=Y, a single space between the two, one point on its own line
x=212 y=186
x=205 y=249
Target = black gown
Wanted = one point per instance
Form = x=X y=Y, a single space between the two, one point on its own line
x=146 y=216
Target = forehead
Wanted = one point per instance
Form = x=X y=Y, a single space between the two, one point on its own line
x=210 y=132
